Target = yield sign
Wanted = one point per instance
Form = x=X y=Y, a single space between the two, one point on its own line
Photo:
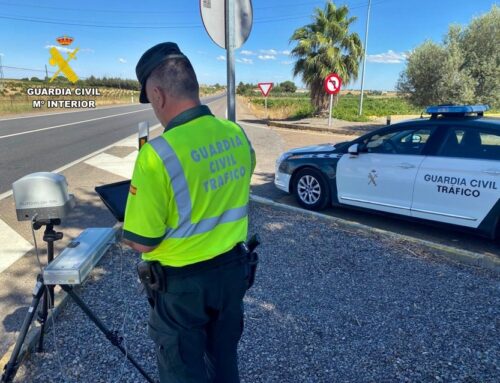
x=332 y=83
x=265 y=88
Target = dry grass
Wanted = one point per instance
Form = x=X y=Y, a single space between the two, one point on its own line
x=14 y=98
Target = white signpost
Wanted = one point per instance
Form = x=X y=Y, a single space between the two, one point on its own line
x=228 y=23
x=265 y=88
x=332 y=86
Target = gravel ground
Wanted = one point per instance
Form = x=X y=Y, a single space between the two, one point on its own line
x=329 y=305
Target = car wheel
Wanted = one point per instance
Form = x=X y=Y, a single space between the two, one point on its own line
x=311 y=189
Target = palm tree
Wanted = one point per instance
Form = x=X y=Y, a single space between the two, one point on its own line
x=326 y=46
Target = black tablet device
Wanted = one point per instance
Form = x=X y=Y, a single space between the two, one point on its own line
x=115 y=197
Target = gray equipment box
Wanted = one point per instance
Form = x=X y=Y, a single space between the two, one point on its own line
x=44 y=195
x=78 y=259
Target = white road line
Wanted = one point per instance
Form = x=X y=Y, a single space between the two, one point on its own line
x=124 y=142
x=49 y=114
x=13 y=246
x=71 y=123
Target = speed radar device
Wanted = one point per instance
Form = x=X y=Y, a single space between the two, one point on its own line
x=42 y=196
x=43 y=199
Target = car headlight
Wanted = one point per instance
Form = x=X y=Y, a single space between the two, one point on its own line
x=282 y=158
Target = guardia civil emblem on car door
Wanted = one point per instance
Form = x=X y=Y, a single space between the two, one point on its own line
x=372 y=177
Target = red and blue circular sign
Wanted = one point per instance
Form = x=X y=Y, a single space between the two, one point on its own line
x=332 y=83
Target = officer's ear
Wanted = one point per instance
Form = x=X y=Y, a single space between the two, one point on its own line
x=159 y=97
x=156 y=94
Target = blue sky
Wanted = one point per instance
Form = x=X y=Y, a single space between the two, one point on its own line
x=113 y=34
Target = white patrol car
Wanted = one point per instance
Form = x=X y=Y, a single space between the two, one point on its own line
x=445 y=168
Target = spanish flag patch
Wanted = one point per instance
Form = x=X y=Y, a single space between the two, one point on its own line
x=133 y=189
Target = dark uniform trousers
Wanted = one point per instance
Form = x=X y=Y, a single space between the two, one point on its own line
x=197 y=321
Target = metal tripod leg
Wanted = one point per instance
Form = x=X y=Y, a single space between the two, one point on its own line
x=111 y=336
x=49 y=236
x=12 y=366
x=43 y=314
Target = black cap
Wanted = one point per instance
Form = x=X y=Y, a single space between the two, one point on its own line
x=150 y=60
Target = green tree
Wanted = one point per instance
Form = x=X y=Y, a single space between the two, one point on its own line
x=456 y=83
x=480 y=43
x=245 y=89
x=434 y=75
x=463 y=69
x=288 y=87
x=326 y=46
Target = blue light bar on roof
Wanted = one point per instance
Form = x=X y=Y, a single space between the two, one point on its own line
x=459 y=109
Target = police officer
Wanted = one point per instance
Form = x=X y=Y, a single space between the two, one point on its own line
x=186 y=213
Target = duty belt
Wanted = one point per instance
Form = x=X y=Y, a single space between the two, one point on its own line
x=154 y=276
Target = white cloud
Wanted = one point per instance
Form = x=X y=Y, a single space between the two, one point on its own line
x=244 y=61
x=68 y=50
x=274 y=52
x=389 y=57
x=60 y=49
x=221 y=58
x=247 y=53
x=269 y=52
x=267 y=57
x=1 y=54
x=287 y=62
x=122 y=60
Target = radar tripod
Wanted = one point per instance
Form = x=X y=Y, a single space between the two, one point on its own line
x=46 y=292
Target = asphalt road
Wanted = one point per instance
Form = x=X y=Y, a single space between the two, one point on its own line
x=47 y=142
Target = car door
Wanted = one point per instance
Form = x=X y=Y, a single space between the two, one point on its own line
x=461 y=183
x=382 y=175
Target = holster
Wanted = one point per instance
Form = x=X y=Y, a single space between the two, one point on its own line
x=151 y=276
x=253 y=261
x=248 y=249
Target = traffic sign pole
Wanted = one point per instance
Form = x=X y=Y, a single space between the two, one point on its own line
x=331 y=107
x=360 y=111
x=231 y=88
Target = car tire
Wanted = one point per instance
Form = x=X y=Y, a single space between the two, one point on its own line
x=311 y=189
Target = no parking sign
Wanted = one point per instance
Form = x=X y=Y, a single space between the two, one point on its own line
x=332 y=83
x=332 y=86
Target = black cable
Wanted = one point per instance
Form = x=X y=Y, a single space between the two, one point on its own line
x=44 y=21
x=185 y=26
x=27 y=69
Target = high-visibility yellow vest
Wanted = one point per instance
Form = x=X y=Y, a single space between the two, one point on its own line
x=190 y=189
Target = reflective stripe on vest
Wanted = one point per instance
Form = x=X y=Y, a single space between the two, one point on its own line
x=183 y=200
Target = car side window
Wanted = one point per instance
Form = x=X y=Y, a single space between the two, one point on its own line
x=471 y=143
x=407 y=141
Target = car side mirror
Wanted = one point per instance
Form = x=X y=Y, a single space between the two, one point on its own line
x=353 y=149
x=416 y=139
